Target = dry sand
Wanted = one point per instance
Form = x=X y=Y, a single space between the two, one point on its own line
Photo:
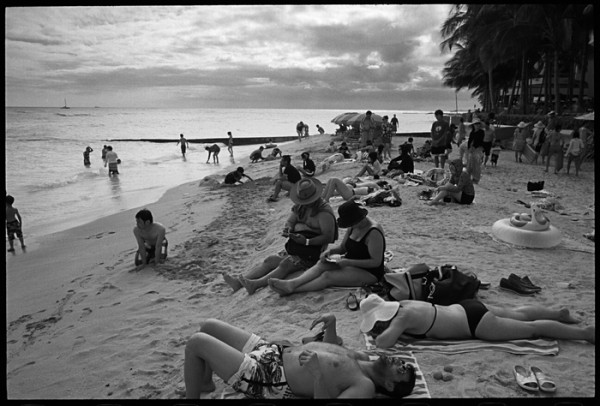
x=81 y=325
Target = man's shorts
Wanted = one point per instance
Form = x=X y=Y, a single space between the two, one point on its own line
x=112 y=167
x=301 y=263
x=438 y=150
x=487 y=147
x=261 y=374
x=12 y=228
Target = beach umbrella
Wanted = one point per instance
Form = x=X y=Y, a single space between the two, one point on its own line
x=588 y=117
x=355 y=120
x=341 y=118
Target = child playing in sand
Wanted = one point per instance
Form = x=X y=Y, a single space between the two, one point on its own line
x=150 y=236
x=495 y=151
x=13 y=224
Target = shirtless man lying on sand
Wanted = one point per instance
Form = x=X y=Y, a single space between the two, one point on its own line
x=468 y=319
x=264 y=370
x=149 y=235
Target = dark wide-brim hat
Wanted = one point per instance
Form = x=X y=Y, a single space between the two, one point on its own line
x=306 y=191
x=350 y=213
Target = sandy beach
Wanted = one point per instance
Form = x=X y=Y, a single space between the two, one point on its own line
x=82 y=325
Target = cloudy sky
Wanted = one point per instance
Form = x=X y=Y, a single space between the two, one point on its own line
x=296 y=56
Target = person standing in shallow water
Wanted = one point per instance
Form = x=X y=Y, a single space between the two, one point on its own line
x=230 y=143
x=86 y=156
x=184 y=144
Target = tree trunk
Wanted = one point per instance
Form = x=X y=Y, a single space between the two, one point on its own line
x=511 y=100
x=584 y=65
x=491 y=91
x=556 y=89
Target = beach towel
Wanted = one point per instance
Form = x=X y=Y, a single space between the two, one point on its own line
x=518 y=347
x=420 y=390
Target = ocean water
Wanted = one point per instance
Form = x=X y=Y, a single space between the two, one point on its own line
x=54 y=191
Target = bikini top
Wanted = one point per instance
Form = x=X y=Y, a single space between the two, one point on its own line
x=424 y=335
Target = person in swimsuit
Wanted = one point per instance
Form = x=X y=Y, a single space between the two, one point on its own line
x=149 y=235
x=310 y=215
x=86 y=156
x=348 y=189
x=236 y=176
x=230 y=143
x=13 y=224
x=274 y=370
x=112 y=160
x=256 y=155
x=459 y=188
x=358 y=260
x=184 y=144
x=214 y=149
x=468 y=319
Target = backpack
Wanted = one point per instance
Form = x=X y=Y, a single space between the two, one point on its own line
x=447 y=285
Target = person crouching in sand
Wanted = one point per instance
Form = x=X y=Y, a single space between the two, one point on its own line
x=357 y=261
x=263 y=369
x=468 y=319
x=310 y=228
x=150 y=237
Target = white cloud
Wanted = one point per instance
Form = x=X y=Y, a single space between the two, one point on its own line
x=247 y=52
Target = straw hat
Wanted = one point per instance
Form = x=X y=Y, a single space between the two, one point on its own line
x=539 y=124
x=306 y=191
x=522 y=124
x=350 y=213
x=374 y=309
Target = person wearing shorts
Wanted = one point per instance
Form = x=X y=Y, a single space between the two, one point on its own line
x=489 y=135
x=310 y=214
x=262 y=369
x=112 y=160
x=440 y=139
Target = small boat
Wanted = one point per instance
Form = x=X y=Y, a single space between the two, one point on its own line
x=65 y=106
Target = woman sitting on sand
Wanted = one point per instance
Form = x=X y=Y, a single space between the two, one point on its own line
x=469 y=319
x=311 y=223
x=459 y=188
x=357 y=261
x=372 y=167
x=349 y=189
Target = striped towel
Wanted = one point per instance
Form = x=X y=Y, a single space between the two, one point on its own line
x=518 y=347
x=420 y=390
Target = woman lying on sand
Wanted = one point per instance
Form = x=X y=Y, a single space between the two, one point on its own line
x=468 y=319
x=312 y=217
x=361 y=260
x=348 y=189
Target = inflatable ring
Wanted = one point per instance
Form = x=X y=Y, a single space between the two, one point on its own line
x=533 y=231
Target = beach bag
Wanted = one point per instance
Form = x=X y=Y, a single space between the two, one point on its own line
x=311 y=252
x=534 y=186
x=447 y=285
x=407 y=285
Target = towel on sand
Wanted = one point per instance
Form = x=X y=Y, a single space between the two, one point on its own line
x=518 y=347
x=420 y=390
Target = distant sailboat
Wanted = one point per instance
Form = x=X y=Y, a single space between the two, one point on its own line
x=65 y=106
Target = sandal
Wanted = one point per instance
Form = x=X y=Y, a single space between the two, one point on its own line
x=545 y=384
x=525 y=379
x=352 y=302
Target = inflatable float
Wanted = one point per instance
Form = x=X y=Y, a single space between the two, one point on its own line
x=532 y=230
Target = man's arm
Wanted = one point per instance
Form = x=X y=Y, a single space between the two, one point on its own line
x=141 y=248
x=158 y=246
x=18 y=216
x=389 y=337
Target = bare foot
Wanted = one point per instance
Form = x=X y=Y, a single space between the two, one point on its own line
x=234 y=283
x=280 y=286
x=591 y=330
x=564 y=316
x=250 y=285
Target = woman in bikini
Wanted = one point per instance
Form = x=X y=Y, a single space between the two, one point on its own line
x=469 y=319
x=357 y=261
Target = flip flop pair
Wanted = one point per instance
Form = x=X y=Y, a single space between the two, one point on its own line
x=353 y=300
x=533 y=379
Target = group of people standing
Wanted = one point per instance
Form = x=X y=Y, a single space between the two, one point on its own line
x=109 y=157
